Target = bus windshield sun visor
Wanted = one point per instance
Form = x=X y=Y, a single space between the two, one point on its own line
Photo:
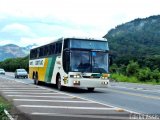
x=89 y=44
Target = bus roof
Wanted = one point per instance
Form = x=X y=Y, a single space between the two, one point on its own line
x=101 y=39
x=64 y=38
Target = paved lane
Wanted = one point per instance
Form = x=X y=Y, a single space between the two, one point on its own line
x=142 y=101
x=131 y=96
x=40 y=102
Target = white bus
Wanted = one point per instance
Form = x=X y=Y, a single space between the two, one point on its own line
x=71 y=62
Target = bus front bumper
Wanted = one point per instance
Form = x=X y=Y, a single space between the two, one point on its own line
x=96 y=83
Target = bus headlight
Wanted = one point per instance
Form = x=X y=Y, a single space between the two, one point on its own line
x=78 y=76
x=75 y=76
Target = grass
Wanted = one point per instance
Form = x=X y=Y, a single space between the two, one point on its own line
x=3 y=105
x=122 y=78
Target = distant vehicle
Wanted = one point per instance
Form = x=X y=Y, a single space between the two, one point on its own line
x=2 y=71
x=71 y=62
x=21 y=73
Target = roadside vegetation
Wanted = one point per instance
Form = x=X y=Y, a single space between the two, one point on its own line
x=135 y=73
x=4 y=105
x=12 y=64
x=134 y=50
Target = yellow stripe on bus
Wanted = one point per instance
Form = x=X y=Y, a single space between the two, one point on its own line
x=41 y=71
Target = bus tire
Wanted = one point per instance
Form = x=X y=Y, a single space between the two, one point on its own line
x=90 y=89
x=59 y=86
x=36 y=81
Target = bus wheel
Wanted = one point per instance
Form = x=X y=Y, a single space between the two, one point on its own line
x=59 y=86
x=36 y=82
x=90 y=89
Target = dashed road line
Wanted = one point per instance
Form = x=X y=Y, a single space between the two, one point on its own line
x=130 y=111
x=22 y=90
x=82 y=116
x=38 y=96
x=31 y=93
x=18 y=88
x=66 y=107
x=58 y=101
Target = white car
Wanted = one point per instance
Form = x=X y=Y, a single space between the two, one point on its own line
x=21 y=73
x=2 y=71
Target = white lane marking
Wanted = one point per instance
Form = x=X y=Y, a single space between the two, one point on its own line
x=61 y=101
x=67 y=107
x=82 y=116
x=22 y=82
x=108 y=105
x=82 y=98
x=10 y=74
x=14 y=80
x=15 y=86
x=31 y=93
x=22 y=90
x=18 y=88
x=38 y=96
x=8 y=115
x=7 y=78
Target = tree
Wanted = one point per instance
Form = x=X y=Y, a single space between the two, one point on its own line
x=113 y=68
x=132 y=68
x=12 y=64
x=156 y=75
x=144 y=74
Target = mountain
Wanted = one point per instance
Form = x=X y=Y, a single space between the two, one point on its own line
x=27 y=48
x=136 y=40
x=13 y=51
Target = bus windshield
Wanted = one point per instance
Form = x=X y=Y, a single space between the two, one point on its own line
x=89 y=61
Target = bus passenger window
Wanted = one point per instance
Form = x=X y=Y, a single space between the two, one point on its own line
x=46 y=51
x=58 y=48
x=37 y=53
x=41 y=54
x=52 y=49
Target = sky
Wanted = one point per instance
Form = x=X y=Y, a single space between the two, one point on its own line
x=25 y=22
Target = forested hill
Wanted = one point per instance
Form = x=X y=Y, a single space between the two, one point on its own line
x=138 y=40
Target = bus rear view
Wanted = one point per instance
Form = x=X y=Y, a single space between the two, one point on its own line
x=85 y=62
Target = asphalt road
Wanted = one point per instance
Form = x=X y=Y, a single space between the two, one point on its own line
x=45 y=102
x=127 y=96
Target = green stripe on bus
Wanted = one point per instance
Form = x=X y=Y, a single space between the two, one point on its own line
x=50 y=68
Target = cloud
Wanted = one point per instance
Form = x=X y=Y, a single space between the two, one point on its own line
x=28 y=21
x=4 y=42
x=17 y=30
x=26 y=32
x=15 y=26
x=39 y=41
